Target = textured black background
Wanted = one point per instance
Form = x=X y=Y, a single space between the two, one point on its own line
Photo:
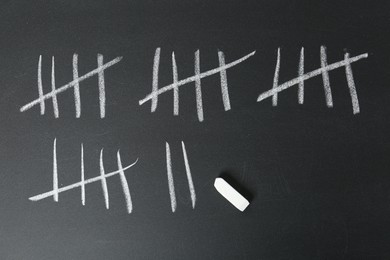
x=319 y=177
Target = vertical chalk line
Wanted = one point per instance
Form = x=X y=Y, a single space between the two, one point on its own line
x=309 y=75
x=301 y=70
x=40 y=87
x=224 y=85
x=125 y=185
x=156 y=66
x=82 y=176
x=351 y=86
x=189 y=176
x=70 y=84
x=171 y=185
x=276 y=79
x=78 y=184
x=102 y=89
x=76 y=87
x=198 y=88
x=205 y=74
x=55 y=171
x=103 y=180
x=325 y=77
x=53 y=88
x=175 y=86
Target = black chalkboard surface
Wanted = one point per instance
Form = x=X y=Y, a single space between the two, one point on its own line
x=117 y=117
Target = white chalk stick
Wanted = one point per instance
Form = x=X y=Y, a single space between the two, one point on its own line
x=233 y=196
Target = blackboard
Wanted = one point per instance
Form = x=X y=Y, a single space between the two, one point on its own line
x=313 y=157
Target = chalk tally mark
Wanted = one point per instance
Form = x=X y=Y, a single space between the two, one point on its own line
x=324 y=71
x=171 y=185
x=153 y=96
x=75 y=84
x=102 y=178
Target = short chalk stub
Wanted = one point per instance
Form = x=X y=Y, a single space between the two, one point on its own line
x=233 y=196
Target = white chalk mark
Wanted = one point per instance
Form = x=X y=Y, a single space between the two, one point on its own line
x=198 y=87
x=102 y=89
x=309 y=75
x=176 y=87
x=301 y=70
x=82 y=176
x=171 y=185
x=76 y=88
x=155 y=93
x=325 y=77
x=78 y=184
x=40 y=87
x=53 y=88
x=276 y=79
x=351 y=86
x=156 y=66
x=55 y=172
x=104 y=181
x=70 y=84
x=189 y=176
x=125 y=186
x=224 y=85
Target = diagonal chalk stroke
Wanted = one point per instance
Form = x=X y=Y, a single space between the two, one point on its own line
x=40 y=87
x=80 y=183
x=125 y=185
x=53 y=88
x=301 y=70
x=102 y=88
x=351 y=86
x=224 y=85
x=76 y=87
x=290 y=83
x=175 y=88
x=171 y=185
x=55 y=171
x=325 y=77
x=276 y=79
x=71 y=84
x=104 y=181
x=82 y=176
x=156 y=66
x=189 y=176
x=155 y=93
x=198 y=88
